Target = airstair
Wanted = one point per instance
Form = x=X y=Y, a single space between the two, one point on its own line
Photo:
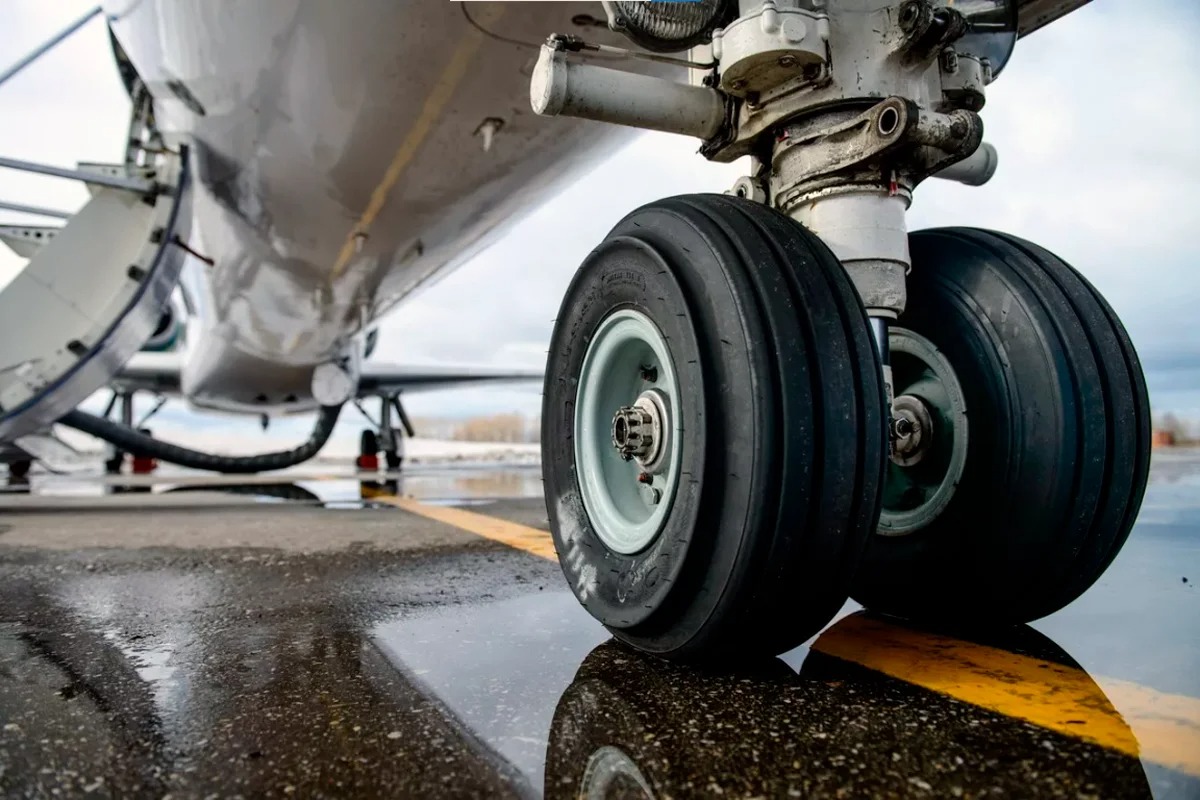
x=95 y=287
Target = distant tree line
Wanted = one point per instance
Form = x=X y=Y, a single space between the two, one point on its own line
x=1180 y=430
x=509 y=428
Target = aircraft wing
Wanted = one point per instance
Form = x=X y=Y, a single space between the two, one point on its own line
x=158 y=373
x=383 y=378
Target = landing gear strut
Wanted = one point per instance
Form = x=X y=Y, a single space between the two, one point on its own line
x=115 y=459
x=384 y=436
x=757 y=405
x=140 y=463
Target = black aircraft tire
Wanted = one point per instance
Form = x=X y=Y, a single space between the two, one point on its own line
x=1059 y=436
x=368 y=443
x=781 y=434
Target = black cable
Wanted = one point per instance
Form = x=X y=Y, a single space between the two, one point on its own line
x=132 y=441
x=498 y=37
x=534 y=45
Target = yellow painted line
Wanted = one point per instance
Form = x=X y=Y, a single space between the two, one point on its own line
x=1163 y=728
x=1166 y=725
x=522 y=537
x=435 y=102
x=1157 y=726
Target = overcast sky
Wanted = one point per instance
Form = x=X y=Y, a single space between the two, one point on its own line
x=1095 y=119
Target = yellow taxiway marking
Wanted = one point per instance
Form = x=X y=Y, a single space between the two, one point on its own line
x=1163 y=728
x=1159 y=727
x=435 y=102
x=522 y=537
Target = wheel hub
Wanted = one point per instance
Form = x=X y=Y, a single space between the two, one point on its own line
x=627 y=452
x=912 y=430
x=929 y=435
x=639 y=431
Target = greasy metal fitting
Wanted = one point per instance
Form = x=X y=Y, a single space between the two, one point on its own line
x=632 y=432
x=912 y=430
x=640 y=431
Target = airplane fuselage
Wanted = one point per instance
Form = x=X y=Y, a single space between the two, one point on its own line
x=340 y=163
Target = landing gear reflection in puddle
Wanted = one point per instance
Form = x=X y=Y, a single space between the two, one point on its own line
x=17 y=481
x=373 y=490
x=635 y=726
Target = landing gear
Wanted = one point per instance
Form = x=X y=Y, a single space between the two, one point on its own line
x=114 y=461
x=715 y=434
x=368 y=451
x=713 y=430
x=725 y=429
x=1039 y=448
x=384 y=436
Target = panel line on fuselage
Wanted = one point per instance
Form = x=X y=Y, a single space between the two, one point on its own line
x=443 y=91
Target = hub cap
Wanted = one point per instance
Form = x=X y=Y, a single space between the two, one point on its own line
x=929 y=435
x=626 y=431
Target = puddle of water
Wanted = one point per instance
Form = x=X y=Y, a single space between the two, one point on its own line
x=152 y=664
x=499 y=668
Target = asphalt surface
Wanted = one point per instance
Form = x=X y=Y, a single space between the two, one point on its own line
x=304 y=642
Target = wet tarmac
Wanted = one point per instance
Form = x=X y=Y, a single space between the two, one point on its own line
x=315 y=642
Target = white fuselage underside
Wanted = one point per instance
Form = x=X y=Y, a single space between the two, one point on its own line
x=337 y=164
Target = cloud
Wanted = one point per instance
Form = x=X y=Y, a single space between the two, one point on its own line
x=1098 y=164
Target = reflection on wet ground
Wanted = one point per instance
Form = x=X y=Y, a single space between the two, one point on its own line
x=832 y=730
x=250 y=681
x=850 y=716
x=448 y=483
x=412 y=658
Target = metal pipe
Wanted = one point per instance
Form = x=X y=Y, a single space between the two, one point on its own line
x=112 y=401
x=405 y=422
x=158 y=404
x=38 y=210
x=586 y=91
x=387 y=435
x=39 y=52
x=139 y=185
x=858 y=224
x=879 y=331
x=974 y=170
x=127 y=409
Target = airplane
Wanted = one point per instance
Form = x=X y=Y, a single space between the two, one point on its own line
x=281 y=316
x=755 y=404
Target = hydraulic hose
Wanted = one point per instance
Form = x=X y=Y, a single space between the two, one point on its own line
x=134 y=441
